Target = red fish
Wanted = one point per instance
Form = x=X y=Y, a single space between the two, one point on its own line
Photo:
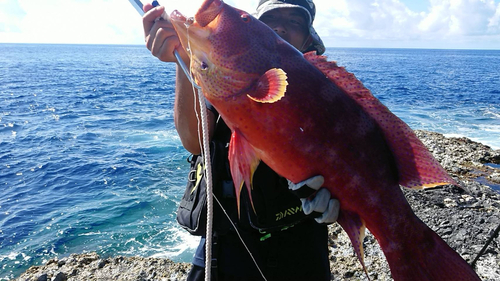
x=305 y=116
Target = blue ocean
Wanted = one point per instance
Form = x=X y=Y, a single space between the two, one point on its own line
x=90 y=159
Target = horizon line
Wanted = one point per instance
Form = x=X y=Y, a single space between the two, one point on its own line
x=327 y=47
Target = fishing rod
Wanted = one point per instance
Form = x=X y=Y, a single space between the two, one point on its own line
x=206 y=146
x=138 y=6
x=493 y=235
x=206 y=153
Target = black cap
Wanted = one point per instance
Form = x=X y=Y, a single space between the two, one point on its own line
x=307 y=6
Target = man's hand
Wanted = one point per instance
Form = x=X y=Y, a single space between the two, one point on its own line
x=316 y=201
x=160 y=35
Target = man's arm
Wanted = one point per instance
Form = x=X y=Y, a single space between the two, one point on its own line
x=162 y=40
x=188 y=119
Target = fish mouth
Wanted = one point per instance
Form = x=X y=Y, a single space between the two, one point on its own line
x=208 y=11
x=177 y=17
x=191 y=35
x=181 y=24
x=194 y=32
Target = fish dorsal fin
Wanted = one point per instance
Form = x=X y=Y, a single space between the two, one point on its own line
x=416 y=166
x=243 y=162
x=270 y=87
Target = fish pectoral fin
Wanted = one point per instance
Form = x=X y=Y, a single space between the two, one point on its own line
x=271 y=86
x=355 y=227
x=243 y=162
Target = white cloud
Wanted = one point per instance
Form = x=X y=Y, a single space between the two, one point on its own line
x=366 y=19
x=84 y=21
x=390 y=23
x=78 y=21
x=460 y=17
x=343 y=23
x=494 y=22
x=10 y=14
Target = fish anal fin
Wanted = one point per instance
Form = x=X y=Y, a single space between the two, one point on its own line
x=270 y=87
x=354 y=226
x=243 y=162
x=417 y=168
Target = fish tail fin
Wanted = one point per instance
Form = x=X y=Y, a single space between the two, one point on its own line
x=425 y=257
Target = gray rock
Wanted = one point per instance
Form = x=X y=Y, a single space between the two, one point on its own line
x=59 y=277
x=464 y=217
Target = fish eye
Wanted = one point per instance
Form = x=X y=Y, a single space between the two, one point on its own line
x=245 y=18
x=204 y=65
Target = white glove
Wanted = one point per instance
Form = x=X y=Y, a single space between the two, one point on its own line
x=320 y=205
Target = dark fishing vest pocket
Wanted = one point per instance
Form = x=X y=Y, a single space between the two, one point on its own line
x=192 y=210
x=276 y=208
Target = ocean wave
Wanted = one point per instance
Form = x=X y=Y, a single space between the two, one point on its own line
x=95 y=163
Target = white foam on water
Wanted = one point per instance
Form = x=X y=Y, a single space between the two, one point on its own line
x=10 y=256
x=491 y=128
x=490 y=141
x=90 y=233
x=454 y=135
x=182 y=243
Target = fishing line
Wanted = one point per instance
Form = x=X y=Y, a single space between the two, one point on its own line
x=203 y=142
x=207 y=161
x=196 y=92
x=241 y=238
x=208 y=167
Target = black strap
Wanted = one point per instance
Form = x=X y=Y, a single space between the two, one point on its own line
x=215 y=254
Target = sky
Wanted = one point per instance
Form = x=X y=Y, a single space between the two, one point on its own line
x=449 y=24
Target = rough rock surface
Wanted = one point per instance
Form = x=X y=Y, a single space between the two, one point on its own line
x=465 y=218
x=90 y=266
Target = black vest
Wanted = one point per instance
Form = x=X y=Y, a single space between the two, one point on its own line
x=276 y=207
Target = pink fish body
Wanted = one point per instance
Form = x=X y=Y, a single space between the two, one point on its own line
x=304 y=116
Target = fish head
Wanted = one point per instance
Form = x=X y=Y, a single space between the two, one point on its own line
x=229 y=48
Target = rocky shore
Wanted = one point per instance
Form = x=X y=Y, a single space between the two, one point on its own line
x=465 y=218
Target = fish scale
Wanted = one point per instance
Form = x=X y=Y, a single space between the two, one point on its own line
x=303 y=116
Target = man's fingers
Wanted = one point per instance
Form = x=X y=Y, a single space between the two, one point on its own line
x=146 y=7
x=306 y=188
x=164 y=44
x=315 y=182
x=318 y=204
x=157 y=28
x=165 y=51
x=149 y=18
x=331 y=214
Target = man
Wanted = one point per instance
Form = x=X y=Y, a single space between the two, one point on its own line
x=285 y=245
